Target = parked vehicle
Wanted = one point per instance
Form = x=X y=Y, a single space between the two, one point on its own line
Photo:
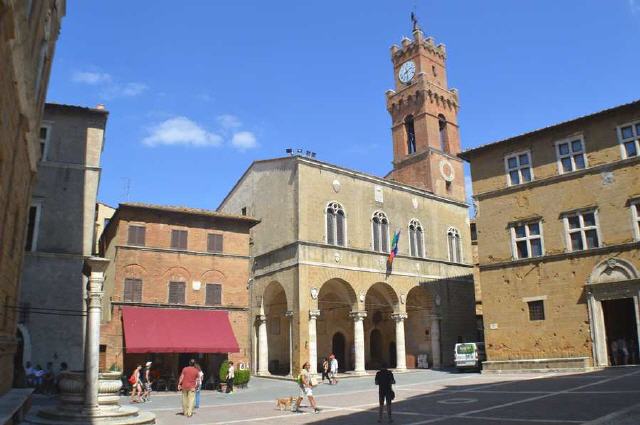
x=469 y=355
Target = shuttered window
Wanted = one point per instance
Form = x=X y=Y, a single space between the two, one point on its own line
x=214 y=242
x=176 y=292
x=214 y=294
x=132 y=290
x=179 y=239
x=380 y=230
x=136 y=235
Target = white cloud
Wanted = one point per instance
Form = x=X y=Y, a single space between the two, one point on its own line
x=244 y=140
x=181 y=131
x=228 y=121
x=91 y=78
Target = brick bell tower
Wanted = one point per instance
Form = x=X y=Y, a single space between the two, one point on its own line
x=424 y=114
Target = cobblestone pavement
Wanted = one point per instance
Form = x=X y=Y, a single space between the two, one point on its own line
x=607 y=397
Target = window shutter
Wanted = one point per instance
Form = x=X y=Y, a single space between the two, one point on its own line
x=214 y=294
x=214 y=242
x=420 y=242
x=179 y=239
x=412 y=241
x=31 y=226
x=376 y=235
x=131 y=239
x=176 y=292
x=340 y=228
x=132 y=290
x=384 y=236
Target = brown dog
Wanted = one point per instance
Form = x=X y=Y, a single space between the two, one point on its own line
x=284 y=403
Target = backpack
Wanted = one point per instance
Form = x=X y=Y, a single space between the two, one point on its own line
x=132 y=379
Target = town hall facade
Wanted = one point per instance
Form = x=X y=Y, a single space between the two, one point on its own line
x=321 y=282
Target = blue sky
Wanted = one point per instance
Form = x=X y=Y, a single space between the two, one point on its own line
x=196 y=93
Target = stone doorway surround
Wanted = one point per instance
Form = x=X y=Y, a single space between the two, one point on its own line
x=611 y=279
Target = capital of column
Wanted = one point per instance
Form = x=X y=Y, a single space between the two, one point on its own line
x=314 y=314
x=399 y=317
x=358 y=315
x=289 y=314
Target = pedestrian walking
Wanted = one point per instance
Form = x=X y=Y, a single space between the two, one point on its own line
x=305 y=381
x=384 y=381
x=231 y=374
x=187 y=384
x=145 y=380
x=199 y=382
x=325 y=369
x=333 y=370
x=136 y=389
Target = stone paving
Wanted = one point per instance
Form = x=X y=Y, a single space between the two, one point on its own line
x=611 y=396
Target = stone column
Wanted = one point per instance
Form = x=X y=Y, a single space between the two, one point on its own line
x=401 y=357
x=96 y=268
x=313 y=342
x=289 y=314
x=435 y=342
x=263 y=347
x=358 y=337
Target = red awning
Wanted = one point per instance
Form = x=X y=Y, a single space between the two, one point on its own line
x=168 y=330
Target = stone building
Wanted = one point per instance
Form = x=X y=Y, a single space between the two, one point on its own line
x=59 y=235
x=103 y=215
x=558 y=238
x=178 y=275
x=28 y=34
x=321 y=281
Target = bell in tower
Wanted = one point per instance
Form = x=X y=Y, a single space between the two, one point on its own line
x=424 y=114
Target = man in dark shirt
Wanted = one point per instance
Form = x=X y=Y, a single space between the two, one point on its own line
x=187 y=385
x=384 y=381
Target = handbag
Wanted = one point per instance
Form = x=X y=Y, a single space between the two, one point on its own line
x=313 y=381
x=132 y=379
x=392 y=395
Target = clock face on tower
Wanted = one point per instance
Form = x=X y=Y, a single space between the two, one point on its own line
x=407 y=71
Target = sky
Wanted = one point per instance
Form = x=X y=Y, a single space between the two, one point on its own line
x=195 y=93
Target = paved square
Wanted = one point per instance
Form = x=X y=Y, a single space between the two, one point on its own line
x=425 y=397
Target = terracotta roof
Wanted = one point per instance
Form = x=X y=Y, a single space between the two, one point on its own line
x=467 y=153
x=188 y=210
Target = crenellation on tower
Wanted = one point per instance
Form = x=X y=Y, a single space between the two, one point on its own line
x=424 y=114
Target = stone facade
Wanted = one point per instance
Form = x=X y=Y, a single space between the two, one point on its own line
x=582 y=196
x=155 y=263
x=60 y=235
x=27 y=44
x=321 y=278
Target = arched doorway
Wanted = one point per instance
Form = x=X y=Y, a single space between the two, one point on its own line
x=376 y=349
x=338 y=346
x=334 y=327
x=419 y=324
x=274 y=302
x=380 y=302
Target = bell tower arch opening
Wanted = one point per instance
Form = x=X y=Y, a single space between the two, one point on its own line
x=424 y=114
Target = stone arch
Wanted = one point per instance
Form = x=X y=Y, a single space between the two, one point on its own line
x=211 y=276
x=419 y=324
x=274 y=306
x=381 y=301
x=134 y=271
x=176 y=274
x=613 y=270
x=336 y=300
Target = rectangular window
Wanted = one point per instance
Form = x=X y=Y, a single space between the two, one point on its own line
x=33 y=224
x=635 y=216
x=536 y=310
x=243 y=211
x=45 y=135
x=214 y=242
x=629 y=138
x=179 y=239
x=582 y=230
x=177 y=292
x=519 y=168
x=136 y=235
x=132 y=291
x=571 y=155
x=213 y=294
x=526 y=240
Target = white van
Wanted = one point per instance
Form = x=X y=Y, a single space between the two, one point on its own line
x=469 y=355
